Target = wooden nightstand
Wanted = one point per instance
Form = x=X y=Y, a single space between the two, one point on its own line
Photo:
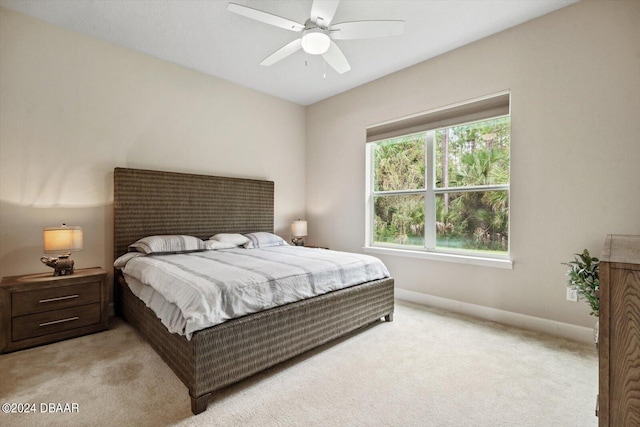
x=42 y=308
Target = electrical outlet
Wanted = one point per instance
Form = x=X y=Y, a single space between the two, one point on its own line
x=572 y=295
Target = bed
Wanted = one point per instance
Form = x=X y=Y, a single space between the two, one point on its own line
x=148 y=203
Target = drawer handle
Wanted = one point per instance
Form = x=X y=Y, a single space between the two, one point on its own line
x=59 y=298
x=69 y=319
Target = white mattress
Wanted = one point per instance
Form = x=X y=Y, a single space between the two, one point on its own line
x=194 y=291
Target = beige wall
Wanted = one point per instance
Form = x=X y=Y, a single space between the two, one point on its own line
x=574 y=77
x=72 y=108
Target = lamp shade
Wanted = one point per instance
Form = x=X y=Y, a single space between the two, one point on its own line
x=299 y=228
x=62 y=239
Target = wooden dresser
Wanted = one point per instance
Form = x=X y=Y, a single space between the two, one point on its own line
x=619 y=347
x=41 y=308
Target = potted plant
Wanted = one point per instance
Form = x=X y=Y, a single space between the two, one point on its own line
x=584 y=279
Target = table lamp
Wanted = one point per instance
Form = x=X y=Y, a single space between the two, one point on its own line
x=61 y=240
x=298 y=231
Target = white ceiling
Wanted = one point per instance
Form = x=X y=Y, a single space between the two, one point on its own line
x=203 y=35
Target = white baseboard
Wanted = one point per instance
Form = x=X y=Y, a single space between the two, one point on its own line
x=538 y=324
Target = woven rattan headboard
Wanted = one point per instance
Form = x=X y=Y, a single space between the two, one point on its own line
x=153 y=202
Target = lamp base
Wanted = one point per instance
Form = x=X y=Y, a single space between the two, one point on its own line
x=62 y=265
x=298 y=241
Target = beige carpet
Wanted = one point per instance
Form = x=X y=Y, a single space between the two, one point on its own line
x=427 y=368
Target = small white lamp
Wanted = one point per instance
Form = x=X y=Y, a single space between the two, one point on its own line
x=298 y=231
x=61 y=240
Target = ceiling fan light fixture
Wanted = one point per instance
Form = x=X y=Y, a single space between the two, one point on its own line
x=315 y=41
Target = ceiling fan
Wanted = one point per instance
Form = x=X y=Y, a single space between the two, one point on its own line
x=318 y=33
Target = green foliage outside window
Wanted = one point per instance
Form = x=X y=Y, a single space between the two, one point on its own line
x=466 y=158
x=400 y=165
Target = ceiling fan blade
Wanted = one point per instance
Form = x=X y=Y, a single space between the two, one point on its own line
x=283 y=52
x=336 y=59
x=265 y=17
x=366 y=29
x=322 y=11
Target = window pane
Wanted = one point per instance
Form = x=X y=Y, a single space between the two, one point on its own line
x=474 y=220
x=476 y=154
x=398 y=163
x=399 y=219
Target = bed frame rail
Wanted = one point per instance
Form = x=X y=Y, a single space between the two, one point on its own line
x=229 y=352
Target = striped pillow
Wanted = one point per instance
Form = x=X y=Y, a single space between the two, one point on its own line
x=167 y=244
x=214 y=245
x=264 y=240
x=235 y=238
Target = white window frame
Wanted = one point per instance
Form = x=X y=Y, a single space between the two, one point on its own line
x=430 y=251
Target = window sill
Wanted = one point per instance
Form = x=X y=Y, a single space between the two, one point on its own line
x=440 y=256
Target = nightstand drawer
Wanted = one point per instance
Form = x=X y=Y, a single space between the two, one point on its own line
x=48 y=299
x=49 y=322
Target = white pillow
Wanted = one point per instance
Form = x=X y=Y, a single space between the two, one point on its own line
x=213 y=245
x=264 y=240
x=167 y=244
x=122 y=260
x=235 y=238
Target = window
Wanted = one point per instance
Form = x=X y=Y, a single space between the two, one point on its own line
x=439 y=182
